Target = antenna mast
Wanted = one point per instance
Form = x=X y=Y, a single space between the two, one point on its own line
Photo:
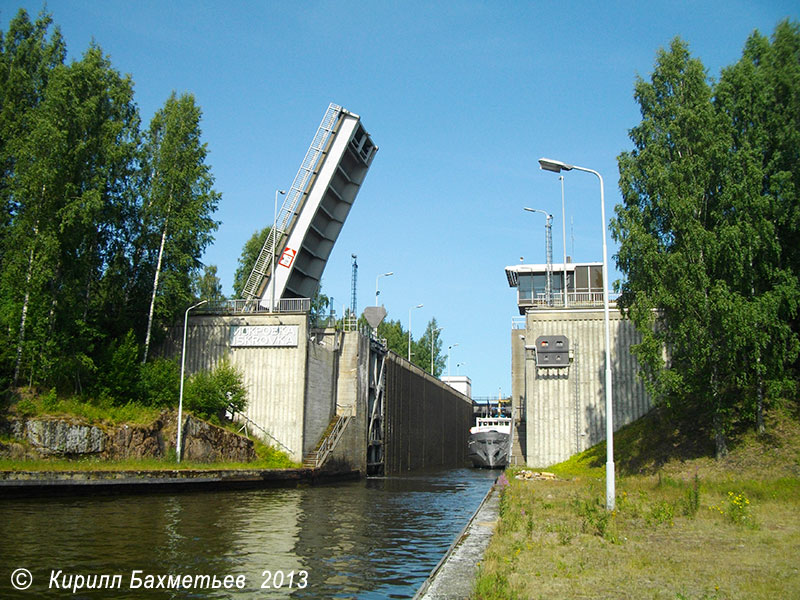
x=353 y=280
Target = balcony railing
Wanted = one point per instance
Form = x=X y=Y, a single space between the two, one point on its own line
x=574 y=300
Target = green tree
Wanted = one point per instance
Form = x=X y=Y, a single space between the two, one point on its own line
x=320 y=307
x=668 y=248
x=247 y=260
x=699 y=239
x=760 y=98
x=209 y=393
x=421 y=350
x=208 y=286
x=396 y=338
x=72 y=158
x=178 y=201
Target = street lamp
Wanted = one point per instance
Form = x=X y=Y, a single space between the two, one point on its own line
x=183 y=369
x=274 y=234
x=524 y=406
x=556 y=166
x=448 y=358
x=376 y=284
x=409 y=329
x=564 y=240
x=433 y=337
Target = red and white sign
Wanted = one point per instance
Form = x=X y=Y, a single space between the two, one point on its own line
x=287 y=258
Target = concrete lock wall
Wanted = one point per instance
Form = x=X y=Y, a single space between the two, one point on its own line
x=351 y=401
x=565 y=407
x=321 y=386
x=298 y=384
x=275 y=376
x=427 y=421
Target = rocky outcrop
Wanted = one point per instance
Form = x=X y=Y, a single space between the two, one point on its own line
x=208 y=443
x=202 y=442
x=60 y=437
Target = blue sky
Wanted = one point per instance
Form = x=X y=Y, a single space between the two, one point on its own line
x=461 y=97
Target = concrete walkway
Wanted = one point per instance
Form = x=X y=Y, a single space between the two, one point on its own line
x=453 y=577
x=47 y=483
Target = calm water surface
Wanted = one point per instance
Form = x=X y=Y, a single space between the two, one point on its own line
x=377 y=538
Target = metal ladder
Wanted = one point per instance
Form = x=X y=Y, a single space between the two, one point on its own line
x=285 y=218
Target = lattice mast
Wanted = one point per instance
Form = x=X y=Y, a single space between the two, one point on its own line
x=353 y=280
x=548 y=249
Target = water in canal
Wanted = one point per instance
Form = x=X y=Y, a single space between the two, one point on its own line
x=375 y=538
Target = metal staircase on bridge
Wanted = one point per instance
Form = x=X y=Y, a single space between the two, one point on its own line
x=261 y=272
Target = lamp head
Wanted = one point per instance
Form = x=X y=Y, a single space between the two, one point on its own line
x=556 y=166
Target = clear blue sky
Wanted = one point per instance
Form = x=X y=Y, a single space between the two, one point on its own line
x=461 y=97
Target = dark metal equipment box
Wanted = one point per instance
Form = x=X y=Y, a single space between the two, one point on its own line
x=552 y=351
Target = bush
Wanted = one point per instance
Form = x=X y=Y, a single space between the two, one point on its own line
x=119 y=377
x=209 y=393
x=160 y=382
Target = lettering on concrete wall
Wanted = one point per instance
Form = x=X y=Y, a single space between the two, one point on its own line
x=264 y=335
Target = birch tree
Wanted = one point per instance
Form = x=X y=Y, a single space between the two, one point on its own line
x=708 y=230
x=178 y=202
x=68 y=157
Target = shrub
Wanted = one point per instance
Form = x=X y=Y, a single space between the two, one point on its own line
x=119 y=377
x=160 y=381
x=209 y=393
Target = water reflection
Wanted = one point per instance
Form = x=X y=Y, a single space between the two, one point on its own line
x=377 y=538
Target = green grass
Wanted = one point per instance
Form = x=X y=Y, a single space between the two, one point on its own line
x=95 y=412
x=106 y=415
x=684 y=527
x=140 y=464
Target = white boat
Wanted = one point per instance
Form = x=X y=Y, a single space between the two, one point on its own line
x=489 y=442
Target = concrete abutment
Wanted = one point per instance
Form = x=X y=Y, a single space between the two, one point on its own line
x=299 y=379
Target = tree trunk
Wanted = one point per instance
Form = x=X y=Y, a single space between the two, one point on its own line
x=155 y=288
x=760 y=407
x=720 y=443
x=24 y=318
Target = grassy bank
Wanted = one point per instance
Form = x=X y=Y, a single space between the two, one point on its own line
x=688 y=528
x=108 y=415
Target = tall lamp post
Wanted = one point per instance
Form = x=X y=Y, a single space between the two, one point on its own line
x=564 y=241
x=448 y=358
x=409 y=329
x=556 y=166
x=524 y=406
x=183 y=370
x=274 y=234
x=433 y=337
x=376 y=284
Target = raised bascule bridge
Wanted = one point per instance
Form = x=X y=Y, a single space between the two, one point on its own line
x=329 y=398
x=313 y=212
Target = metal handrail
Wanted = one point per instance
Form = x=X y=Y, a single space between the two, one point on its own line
x=328 y=445
x=575 y=299
x=236 y=416
x=240 y=305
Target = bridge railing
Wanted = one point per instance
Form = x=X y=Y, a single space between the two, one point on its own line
x=226 y=307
